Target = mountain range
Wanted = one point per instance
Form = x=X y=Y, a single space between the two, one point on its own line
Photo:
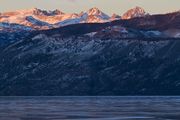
x=41 y=19
x=90 y=53
x=136 y=22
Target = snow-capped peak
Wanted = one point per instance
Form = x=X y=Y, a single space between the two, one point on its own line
x=40 y=19
x=135 y=12
x=37 y=11
x=95 y=15
x=94 y=11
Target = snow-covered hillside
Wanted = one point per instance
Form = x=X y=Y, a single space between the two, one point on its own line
x=81 y=65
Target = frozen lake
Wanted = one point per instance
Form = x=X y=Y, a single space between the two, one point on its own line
x=89 y=108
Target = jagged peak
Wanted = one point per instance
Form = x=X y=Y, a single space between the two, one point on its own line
x=134 y=12
x=97 y=13
x=37 y=11
x=57 y=12
x=94 y=11
x=94 y=8
x=139 y=8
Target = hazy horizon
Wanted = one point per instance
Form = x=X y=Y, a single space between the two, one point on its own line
x=107 y=6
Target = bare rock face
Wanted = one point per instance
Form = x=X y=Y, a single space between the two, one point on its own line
x=135 y=12
x=94 y=15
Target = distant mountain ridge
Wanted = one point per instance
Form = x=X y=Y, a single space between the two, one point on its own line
x=37 y=19
x=42 y=19
x=135 y=12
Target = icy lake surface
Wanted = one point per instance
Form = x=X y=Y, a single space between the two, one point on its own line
x=89 y=108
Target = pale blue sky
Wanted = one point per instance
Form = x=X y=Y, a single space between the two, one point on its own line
x=108 y=6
